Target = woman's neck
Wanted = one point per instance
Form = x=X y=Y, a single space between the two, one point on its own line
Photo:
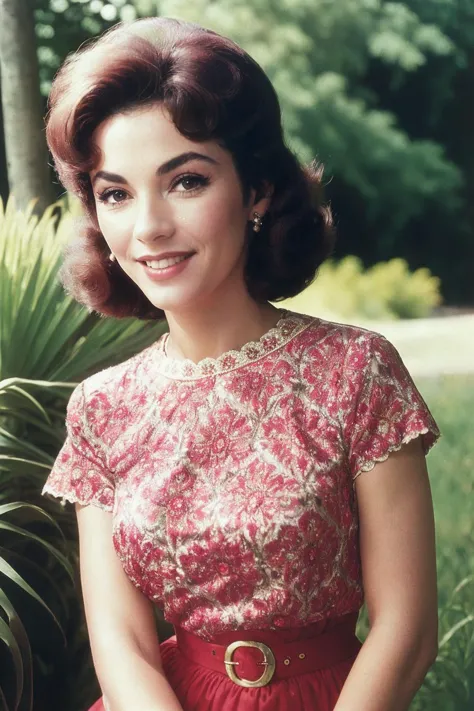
x=210 y=331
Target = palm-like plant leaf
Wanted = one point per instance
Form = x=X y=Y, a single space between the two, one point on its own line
x=48 y=343
x=51 y=549
x=7 y=570
x=15 y=505
x=7 y=636
x=3 y=701
x=19 y=464
x=39 y=323
x=21 y=394
x=12 y=444
x=21 y=656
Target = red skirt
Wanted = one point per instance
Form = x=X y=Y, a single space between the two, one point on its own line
x=201 y=688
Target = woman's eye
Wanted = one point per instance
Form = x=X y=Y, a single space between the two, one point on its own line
x=112 y=197
x=190 y=183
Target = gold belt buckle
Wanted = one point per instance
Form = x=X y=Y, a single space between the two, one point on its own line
x=268 y=663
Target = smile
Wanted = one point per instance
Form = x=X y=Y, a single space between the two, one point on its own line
x=161 y=269
x=164 y=263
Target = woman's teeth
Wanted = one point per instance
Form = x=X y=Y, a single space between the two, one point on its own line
x=164 y=263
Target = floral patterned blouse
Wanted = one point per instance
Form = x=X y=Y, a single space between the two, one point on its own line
x=231 y=481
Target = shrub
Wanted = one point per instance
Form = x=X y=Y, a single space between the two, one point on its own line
x=386 y=291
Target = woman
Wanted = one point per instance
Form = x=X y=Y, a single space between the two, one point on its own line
x=255 y=472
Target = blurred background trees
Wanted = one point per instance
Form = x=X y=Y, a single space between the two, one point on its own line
x=381 y=92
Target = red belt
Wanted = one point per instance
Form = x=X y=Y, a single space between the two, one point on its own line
x=267 y=657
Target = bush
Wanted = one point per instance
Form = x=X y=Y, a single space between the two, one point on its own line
x=385 y=291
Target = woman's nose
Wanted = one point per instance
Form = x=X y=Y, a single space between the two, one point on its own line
x=153 y=221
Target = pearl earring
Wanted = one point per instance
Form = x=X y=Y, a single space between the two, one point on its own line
x=112 y=257
x=257 y=221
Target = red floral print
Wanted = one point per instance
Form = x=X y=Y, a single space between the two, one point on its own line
x=231 y=481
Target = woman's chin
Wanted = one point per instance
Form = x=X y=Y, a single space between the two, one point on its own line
x=176 y=303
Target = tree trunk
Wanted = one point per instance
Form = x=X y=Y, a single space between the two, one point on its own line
x=27 y=155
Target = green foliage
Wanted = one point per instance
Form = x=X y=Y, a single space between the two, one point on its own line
x=44 y=334
x=17 y=688
x=317 y=53
x=402 y=40
x=385 y=291
x=369 y=87
x=63 y=25
x=450 y=682
x=406 y=294
x=455 y=18
x=47 y=343
x=449 y=685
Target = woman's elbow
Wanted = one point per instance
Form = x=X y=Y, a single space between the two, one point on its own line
x=416 y=642
x=425 y=648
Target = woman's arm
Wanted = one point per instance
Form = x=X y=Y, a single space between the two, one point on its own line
x=397 y=541
x=122 y=630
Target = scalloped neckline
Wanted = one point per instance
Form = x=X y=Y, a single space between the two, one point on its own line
x=286 y=327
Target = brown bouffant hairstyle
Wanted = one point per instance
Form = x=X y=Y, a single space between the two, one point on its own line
x=213 y=90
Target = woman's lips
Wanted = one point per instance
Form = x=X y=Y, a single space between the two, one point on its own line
x=167 y=272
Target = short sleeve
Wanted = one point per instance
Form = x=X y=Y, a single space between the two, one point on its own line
x=79 y=474
x=383 y=409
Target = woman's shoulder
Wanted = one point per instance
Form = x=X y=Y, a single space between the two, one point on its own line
x=110 y=386
x=337 y=341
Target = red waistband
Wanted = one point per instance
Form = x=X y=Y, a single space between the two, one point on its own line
x=300 y=656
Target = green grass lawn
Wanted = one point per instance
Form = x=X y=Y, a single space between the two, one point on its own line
x=451 y=467
x=450 y=683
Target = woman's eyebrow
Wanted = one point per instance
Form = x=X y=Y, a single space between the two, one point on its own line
x=167 y=167
x=181 y=160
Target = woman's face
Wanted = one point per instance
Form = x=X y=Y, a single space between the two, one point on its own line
x=174 y=202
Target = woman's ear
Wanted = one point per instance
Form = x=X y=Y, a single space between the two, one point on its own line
x=261 y=199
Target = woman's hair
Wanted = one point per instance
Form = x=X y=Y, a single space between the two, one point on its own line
x=213 y=90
